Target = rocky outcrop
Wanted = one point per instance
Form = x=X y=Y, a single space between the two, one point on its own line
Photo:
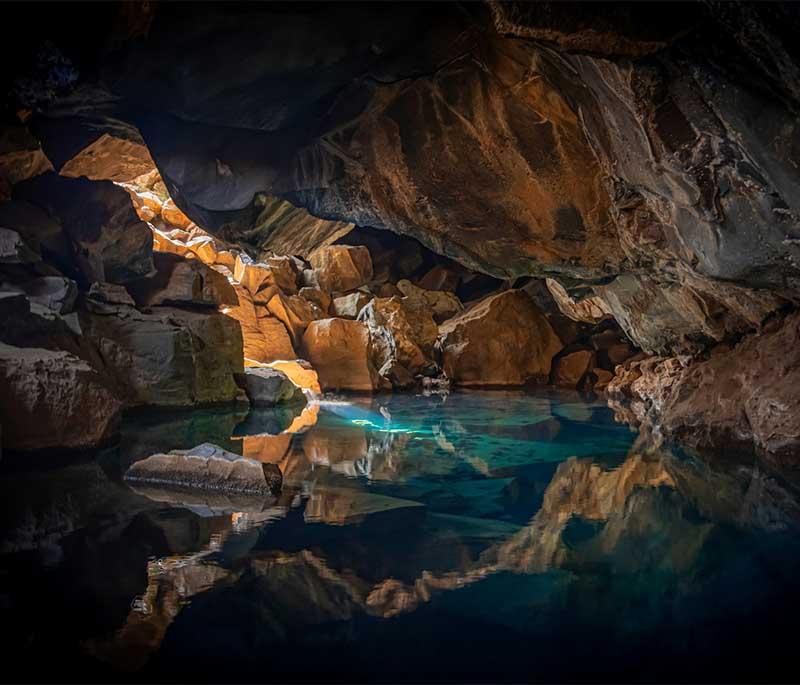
x=503 y=340
x=441 y=304
x=268 y=387
x=169 y=357
x=52 y=399
x=340 y=351
x=746 y=396
x=207 y=467
x=339 y=268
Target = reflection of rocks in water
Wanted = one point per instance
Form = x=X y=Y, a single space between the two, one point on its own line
x=342 y=506
x=204 y=502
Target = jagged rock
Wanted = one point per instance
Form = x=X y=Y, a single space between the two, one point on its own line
x=349 y=306
x=600 y=379
x=14 y=250
x=174 y=216
x=112 y=243
x=443 y=305
x=340 y=351
x=21 y=157
x=503 y=340
x=569 y=370
x=588 y=310
x=100 y=148
x=53 y=399
x=285 y=272
x=318 y=296
x=400 y=331
x=265 y=338
x=207 y=467
x=180 y=281
x=171 y=357
x=268 y=387
x=295 y=313
x=339 y=268
x=111 y=294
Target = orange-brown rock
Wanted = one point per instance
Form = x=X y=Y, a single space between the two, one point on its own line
x=503 y=340
x=570 y=369
x=340 y=351
x=339 y=268
x=174 y=216
x=53 y=399
x=589 y=310
x=318 y=296
x=300 y=372
x=442 y=305
x=440 y=277
x=294 y=312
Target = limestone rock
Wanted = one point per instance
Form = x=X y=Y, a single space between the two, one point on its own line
x=171 y=357
x=207 y=467
x=318 y=296
x=570 y=369
x=349 y=306
x=180 y=281
x=503 y=340
x=53 y=399
x=588 y=310
x=443 y=305
x=295 y=313
x=339 y=268
x=340 y=351
x=268 y=387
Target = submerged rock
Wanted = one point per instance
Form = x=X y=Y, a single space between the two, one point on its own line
x=268 y=387
x=505 y=339
x=207 y=467
x=53 y=399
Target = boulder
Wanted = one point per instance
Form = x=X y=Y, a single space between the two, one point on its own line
x=208 y=467
x=318 y=296
x=502 y=340
x=110 y=293
x=179 y=281
x=339 y=268
x=285 y=272
x=21 y=157
x=258 y=279
x=174 y=216
x=295 y=313
x=300 y=372
x=170 y=357
x=53 y=399
x=600 y=379
x=14 y=250
x=400 y=331
x=570 y=369
x=55 y=293
x=440 y=277
x=349 y=306
x=443 y=305
x=268 y=387
x=265 y=338
x=110 y=242
x=340 y=351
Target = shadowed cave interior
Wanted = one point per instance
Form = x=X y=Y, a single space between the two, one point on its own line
x=400 y=341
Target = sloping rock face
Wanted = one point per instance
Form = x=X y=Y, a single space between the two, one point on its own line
x=747 y=395
x=53 y=399
x=503 y=340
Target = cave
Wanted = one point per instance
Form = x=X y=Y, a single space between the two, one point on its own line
x=400 y=342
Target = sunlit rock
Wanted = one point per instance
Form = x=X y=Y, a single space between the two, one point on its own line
x=207 y=467
x=174 y=216
x=295 y=313
x=443 y=305
x=339 y=268
x=53 y=399
x=268 y=387
x=317 y=296
x=588 y=310
x=299 y=371
x=340 y=352
x=503 y=340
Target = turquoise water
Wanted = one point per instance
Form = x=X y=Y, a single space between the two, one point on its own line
x=482 y=536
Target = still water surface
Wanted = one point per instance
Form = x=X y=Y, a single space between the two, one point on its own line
x=479 y=537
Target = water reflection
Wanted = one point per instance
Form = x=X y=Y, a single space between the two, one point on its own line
x=472 y=537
